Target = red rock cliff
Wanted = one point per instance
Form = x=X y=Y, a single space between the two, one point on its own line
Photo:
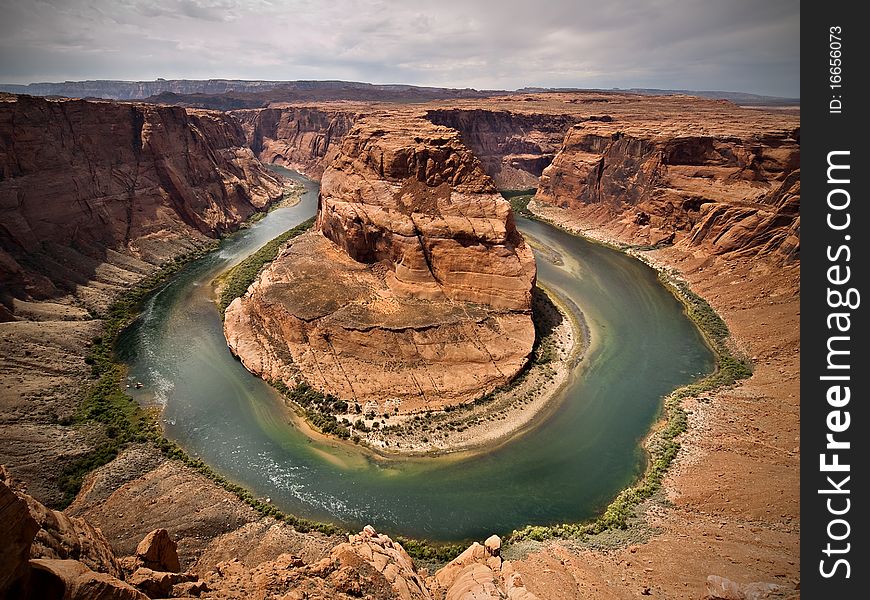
x=513 y=147
x=79 y=177
x=414 y=292
x=732 y=191
x=298 y=138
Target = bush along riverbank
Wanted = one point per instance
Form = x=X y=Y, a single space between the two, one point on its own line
x=662 y=444
x=104 y=401
x=235 y=282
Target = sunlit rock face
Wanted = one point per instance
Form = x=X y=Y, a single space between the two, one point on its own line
x=413 y=292
x=723 y=187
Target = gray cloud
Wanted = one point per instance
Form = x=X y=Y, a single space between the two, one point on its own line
x=739 y=45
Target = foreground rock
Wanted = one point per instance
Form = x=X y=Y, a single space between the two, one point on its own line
x=48 y=555
x=368 y=565
x=479 y=573
x=95 y=196
x=415 y=290
x=159 y=552
x=19 y=528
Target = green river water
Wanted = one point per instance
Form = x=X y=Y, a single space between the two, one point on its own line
x=564 y=470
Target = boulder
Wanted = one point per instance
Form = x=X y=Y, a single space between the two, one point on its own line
x=156 y=584
x=492 y=545
x=72 y=580
x=63 y=537
x=478 y=574
x=157 y=551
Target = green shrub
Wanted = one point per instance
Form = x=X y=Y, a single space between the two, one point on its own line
x=427 y=551
x=237 y=281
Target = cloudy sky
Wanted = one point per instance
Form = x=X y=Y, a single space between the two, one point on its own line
x=735 y=45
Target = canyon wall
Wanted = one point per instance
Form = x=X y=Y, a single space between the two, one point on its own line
x=79 y=178
x=415 y=290
x=94 y=196
x=735 y=193
x=513 y=147
x=298 y=138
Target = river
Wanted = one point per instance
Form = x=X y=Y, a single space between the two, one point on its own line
x=564 y=470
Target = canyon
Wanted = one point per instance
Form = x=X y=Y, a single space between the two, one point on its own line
x=699 y=187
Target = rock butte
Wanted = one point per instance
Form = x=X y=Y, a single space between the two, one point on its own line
x=413 y=293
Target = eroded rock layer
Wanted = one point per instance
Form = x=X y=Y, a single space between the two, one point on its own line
x=296 y=137
x=731 y=192
x=513 y=147
x=415 y=289
x=79 y=178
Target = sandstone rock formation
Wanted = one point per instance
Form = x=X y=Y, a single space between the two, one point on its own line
x=79 y=179
x=513 y=147
x=298 y=138
x=94 y=196
x=732 y=191
x=159 y=552
x=63 y=537
x=72 y=580
x=48 y=555
x=479 y=573
x=368 y=565
x=732 y=436
x=19 y=527
x=414 y=292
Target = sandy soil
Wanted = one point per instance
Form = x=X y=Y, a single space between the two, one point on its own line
x=730 y=504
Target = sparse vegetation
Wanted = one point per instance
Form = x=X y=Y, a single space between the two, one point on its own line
x=429 y=552
x=237 y=280
x=104 y=400
x=519 y=200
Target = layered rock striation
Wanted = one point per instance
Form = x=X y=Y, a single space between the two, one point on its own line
x=79 y=179
x=414 y=291
x=731 y=192
x=298 y=138
x=94 y=196
x=513 y=147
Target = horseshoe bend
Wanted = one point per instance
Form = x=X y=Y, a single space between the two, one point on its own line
x=416 y=292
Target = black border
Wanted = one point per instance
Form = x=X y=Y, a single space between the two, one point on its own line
x=822 y=132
